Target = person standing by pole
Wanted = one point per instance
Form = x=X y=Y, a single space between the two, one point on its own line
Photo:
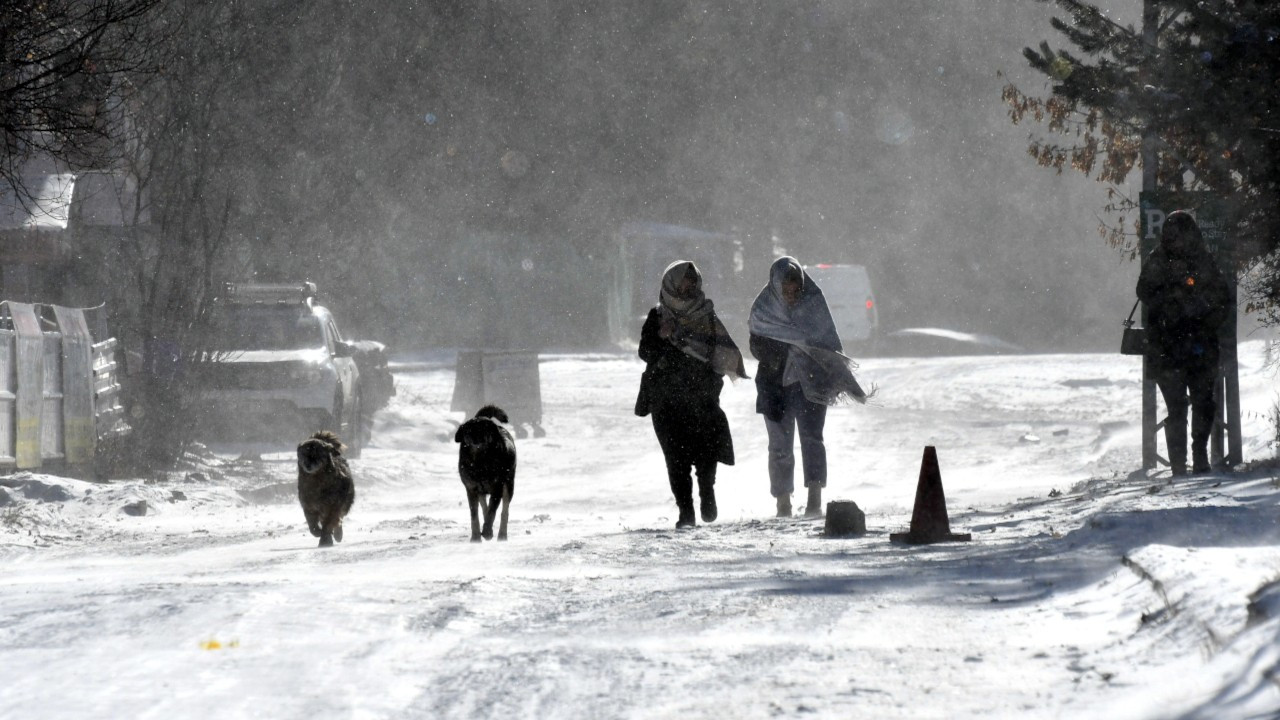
x=1186 y=299
x=802 y=371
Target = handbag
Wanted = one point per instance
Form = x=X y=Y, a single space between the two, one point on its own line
x=644 y=399
x=1134 y=340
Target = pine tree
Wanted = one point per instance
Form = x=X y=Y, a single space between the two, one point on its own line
x=1206 y=91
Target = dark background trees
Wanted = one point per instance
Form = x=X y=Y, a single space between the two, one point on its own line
x=65 y=67
x=405 y=145
x=397 y=154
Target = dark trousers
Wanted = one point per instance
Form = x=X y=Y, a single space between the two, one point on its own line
x=684 y=451
x=1192 y=385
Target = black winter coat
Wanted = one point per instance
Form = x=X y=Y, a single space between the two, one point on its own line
x=772 y=355
x=683 y=393
x=1187 y=300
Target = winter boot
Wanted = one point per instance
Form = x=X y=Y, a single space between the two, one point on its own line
x=813 y=506
x=686 y=515
x=1175 y=439
x=707 y=492
x=682 y=489
x=1200 y=460
x=784 y=506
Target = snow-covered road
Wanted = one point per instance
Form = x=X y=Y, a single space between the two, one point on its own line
x=1088 y=590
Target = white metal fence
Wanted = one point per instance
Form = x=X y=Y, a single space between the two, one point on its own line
x=59 y=390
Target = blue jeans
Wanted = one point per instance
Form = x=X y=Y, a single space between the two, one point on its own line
x=810 y=418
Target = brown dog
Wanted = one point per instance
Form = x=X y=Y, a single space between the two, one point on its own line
x=487 y=465
x=325 y=487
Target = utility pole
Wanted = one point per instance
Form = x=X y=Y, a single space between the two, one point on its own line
x=1150 y=20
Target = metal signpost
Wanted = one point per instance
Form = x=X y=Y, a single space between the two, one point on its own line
x=507 y=378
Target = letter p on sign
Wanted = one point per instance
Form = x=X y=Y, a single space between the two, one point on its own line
x=1155 y=221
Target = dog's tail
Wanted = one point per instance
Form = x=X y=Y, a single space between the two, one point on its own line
x=494 y=412
x=330 y=438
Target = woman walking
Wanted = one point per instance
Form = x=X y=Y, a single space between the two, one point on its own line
x=802 y=371
x=687 y=351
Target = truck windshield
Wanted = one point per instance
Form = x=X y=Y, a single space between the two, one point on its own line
x=247 y=327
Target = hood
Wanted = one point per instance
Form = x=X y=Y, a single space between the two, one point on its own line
x=307 y=355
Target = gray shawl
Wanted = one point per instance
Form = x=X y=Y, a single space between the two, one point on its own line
x=699 y=333
x=825 y=372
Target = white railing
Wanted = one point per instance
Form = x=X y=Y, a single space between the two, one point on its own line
x=59 y=391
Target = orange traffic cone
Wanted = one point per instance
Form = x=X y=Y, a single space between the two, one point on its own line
x=929 y=523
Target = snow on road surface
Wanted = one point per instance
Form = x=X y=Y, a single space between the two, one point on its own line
x=1090 y=590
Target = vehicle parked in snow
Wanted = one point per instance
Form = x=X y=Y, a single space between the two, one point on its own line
x=276 y=359
x=853 y=305
x=943 y=341
x=644 y=249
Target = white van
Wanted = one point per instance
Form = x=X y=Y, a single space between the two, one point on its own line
x=853 y=305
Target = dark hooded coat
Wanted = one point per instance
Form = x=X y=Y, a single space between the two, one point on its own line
x=1187 y=300
x=683 y=393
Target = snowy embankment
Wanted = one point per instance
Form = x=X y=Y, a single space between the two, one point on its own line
x=1089 y=590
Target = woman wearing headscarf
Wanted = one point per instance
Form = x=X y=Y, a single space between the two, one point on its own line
x=1187 y=300
x=687 y=351
x=802 y=371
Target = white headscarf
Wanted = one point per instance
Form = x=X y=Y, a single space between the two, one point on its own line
x=700 y=333
x=826 y=373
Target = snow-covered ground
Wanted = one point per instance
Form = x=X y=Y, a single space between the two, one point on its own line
x=1089 y=590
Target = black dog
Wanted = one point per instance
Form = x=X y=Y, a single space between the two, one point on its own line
x=487 y=465
x=325 y=487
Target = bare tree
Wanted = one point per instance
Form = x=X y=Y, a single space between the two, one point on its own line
x=65 y=67
x=187 y=145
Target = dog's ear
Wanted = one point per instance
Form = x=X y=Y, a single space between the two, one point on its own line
x=457 y=436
